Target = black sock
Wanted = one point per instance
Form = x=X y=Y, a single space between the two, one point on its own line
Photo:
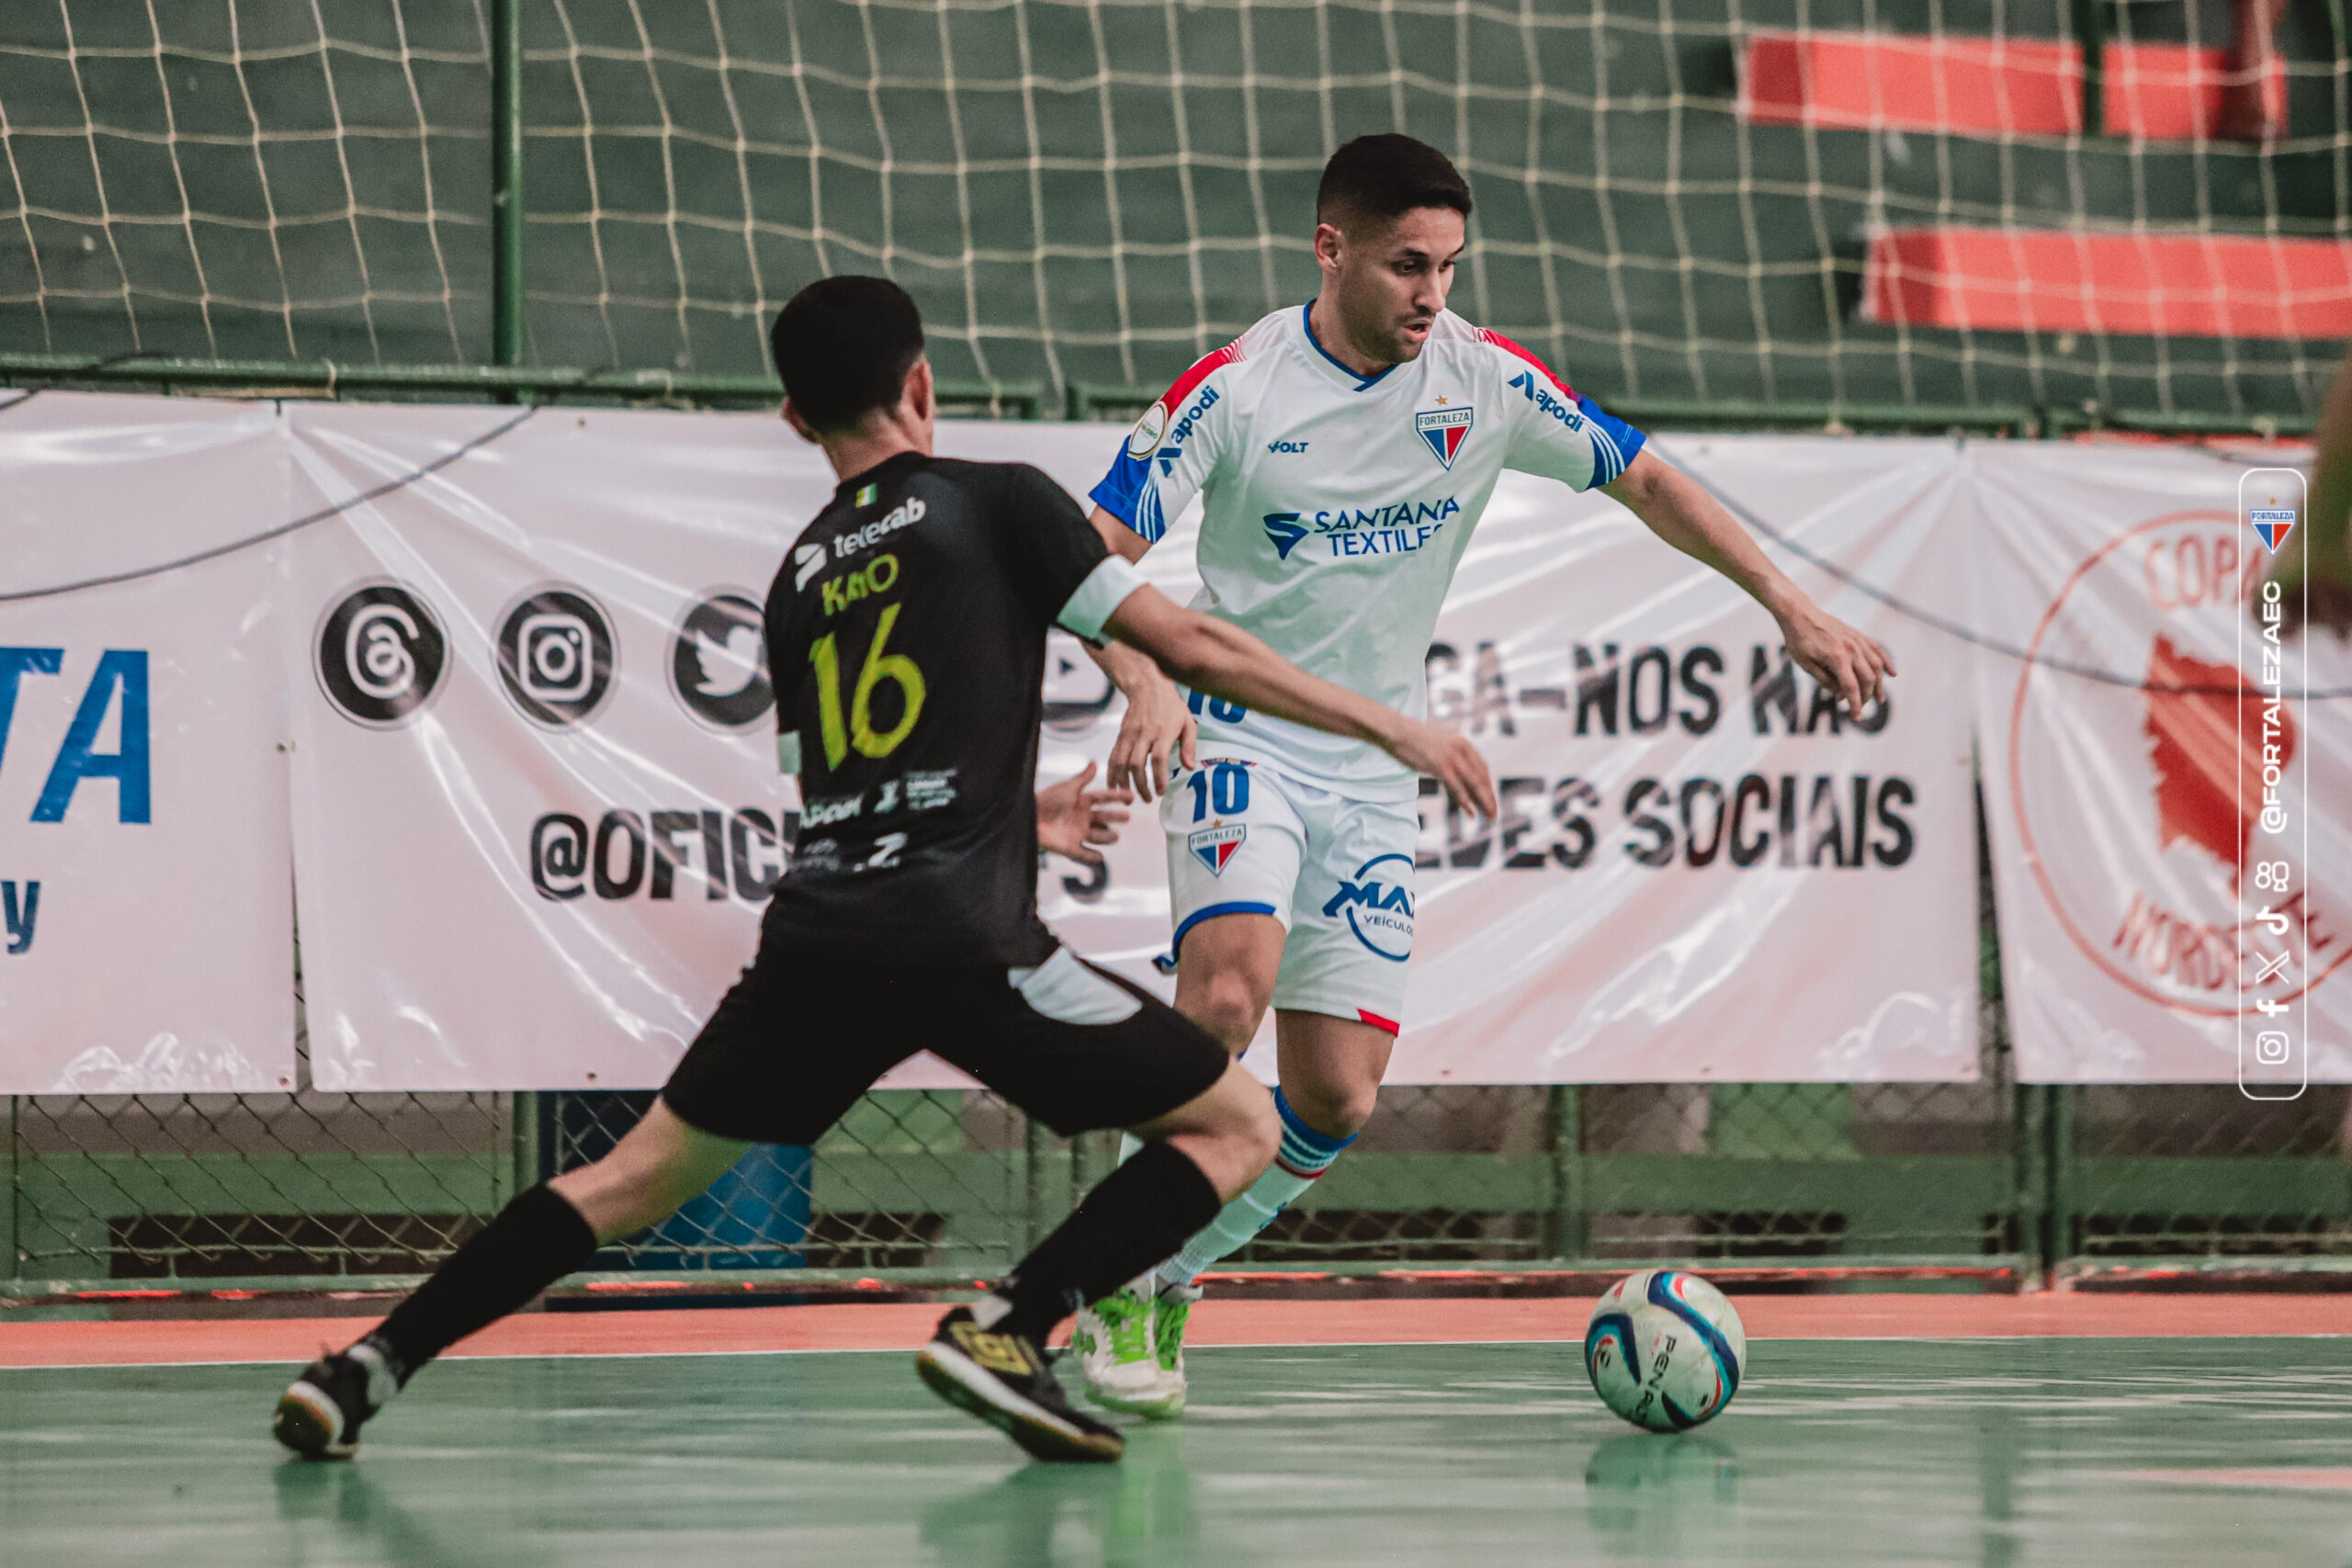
x=535 y=1241
x=1140 y=1214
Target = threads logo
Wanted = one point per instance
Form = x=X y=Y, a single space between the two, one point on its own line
x=555 y=656
x=719 y=663
x=381 y=655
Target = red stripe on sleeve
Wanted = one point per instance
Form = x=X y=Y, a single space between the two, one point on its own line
x=1385 y=1025
x=1490 y=335
x=1201 y=369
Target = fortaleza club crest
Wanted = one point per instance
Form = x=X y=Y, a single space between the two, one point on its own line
x=1213 y=847
x=1445 y=430
x=2271 y=525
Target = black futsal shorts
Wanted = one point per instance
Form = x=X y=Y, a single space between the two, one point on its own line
x=796 y=1042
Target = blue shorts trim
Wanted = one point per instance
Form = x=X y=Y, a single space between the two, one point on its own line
x=1240 y=906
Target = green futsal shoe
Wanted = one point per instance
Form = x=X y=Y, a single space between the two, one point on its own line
x=1171 y=1309
x=1114 y=1341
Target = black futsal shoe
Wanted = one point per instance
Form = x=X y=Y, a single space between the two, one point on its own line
x=1005 y=1381
x=320 y=1415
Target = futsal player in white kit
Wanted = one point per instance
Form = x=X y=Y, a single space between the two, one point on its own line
x=1344 y=450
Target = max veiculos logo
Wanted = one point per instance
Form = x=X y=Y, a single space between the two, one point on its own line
x=1379 y=912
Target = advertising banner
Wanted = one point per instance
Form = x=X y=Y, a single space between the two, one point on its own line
x=145 y=879
x=2160 y=923
x=535 y=808
x=535 y=801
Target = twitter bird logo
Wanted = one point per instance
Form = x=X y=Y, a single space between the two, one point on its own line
x=719 y=663
x=729 y=666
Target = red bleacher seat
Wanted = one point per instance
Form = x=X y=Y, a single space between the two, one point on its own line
x=1864 y=81
x=2177 y=285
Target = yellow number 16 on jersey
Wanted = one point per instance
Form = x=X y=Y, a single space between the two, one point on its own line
x=879 y=666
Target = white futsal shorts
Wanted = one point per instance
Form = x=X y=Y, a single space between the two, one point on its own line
x=1337 y=871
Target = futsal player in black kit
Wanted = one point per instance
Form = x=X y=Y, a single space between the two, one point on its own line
x=905 y=639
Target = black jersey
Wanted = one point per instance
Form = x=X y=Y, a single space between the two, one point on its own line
x=906 y=637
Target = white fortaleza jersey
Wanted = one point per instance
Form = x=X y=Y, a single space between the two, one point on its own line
x=1338 y=505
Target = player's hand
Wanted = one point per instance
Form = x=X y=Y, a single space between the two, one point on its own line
x=1437 y=752
x=1854 y=666
x=1072 y=818
x=1157 y=725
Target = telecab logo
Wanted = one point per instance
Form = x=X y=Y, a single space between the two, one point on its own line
x=2154 y=895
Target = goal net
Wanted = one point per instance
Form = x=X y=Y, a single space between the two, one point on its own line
x=2140 y=207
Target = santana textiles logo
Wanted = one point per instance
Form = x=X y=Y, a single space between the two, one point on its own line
x=380 y=654
x=718 y=661
x=2150 y=893
x=555 y=656
x=1379 y=912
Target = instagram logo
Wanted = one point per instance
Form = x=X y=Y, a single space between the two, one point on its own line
x=554 y=658
x=557 y=656
x=2270 y=1048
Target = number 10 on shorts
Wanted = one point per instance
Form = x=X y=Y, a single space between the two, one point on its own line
x=2274 y=810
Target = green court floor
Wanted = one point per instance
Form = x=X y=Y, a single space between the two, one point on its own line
x=1982 y=1452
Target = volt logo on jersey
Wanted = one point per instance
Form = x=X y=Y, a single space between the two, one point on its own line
x=1379 y=913
x=1445 y=430
x=1213 y=847
x=1285 y=530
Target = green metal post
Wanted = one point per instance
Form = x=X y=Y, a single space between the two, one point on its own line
x=1030 y=1228
x=522 y=1138
x=2058 y=1223
x=507 y=181
x=1571 y=1224
x=2090 y=32
x=9 y=1267
x=2030 y=1177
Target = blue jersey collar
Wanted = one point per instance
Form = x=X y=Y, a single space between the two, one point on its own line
x=1363 y=383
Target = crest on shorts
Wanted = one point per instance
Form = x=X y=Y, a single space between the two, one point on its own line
x=1445 y=430
x=1213 y=847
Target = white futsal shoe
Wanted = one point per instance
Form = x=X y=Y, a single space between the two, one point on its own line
x=1116 y=1345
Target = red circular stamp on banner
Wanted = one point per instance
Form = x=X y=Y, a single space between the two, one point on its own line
x=2137 y=800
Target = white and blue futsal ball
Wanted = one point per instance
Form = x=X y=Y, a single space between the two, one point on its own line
x=1665 y=1350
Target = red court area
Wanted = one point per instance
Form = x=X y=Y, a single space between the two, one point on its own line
x=902 y=1326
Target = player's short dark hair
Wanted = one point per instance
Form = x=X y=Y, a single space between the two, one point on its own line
x=1387 y=177
x=844 y=346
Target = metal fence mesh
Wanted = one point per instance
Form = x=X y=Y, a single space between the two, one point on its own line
x=133 y=1194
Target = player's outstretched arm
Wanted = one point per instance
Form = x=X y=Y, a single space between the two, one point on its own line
x=1677 y=511
x=1156 y=725
x=1224 y=661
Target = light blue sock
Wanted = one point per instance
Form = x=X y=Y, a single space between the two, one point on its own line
x=1305 y=1153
